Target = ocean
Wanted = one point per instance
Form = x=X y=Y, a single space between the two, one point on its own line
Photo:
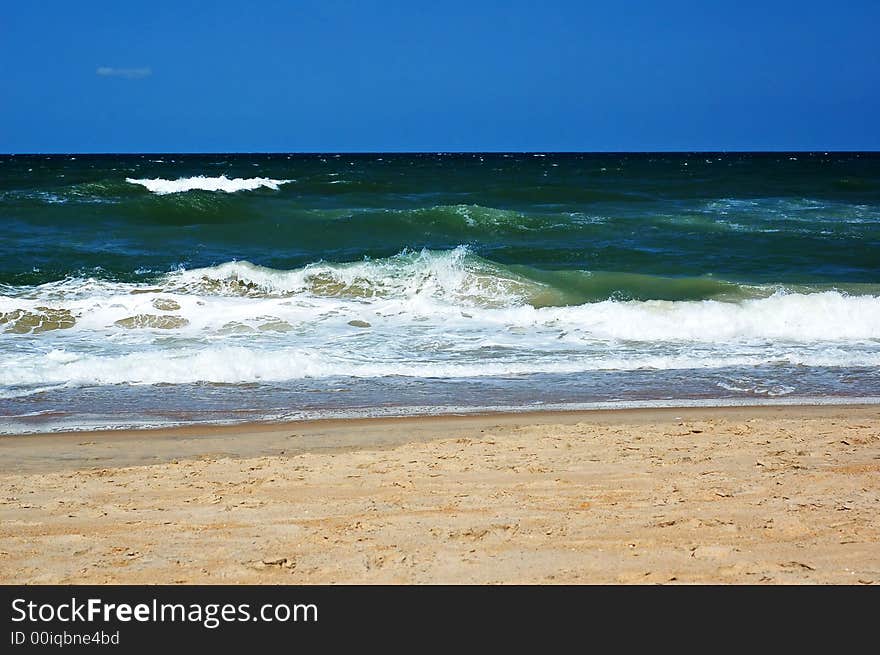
x=151 y=290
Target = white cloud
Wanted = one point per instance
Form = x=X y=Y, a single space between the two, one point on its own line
x=127 y=73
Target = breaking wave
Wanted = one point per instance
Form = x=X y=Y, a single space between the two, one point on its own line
x=429 y=314
x=429 y=286
x=163 y=187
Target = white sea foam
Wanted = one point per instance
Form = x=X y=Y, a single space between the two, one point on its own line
x=449 y=290
x=239 y=364
x=427 y=314
x=162 y=187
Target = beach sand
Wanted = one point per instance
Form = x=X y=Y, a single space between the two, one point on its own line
x=728 y=495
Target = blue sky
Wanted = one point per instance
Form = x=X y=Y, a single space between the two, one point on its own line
x=403 y=76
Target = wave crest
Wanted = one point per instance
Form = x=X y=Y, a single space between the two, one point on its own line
x=222 y=183
x=455 y=275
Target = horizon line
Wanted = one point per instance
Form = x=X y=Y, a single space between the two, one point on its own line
x=439 y=152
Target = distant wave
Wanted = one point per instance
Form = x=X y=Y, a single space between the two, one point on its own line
x=163 y=187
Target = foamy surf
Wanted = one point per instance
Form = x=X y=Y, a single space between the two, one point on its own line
x=222 y=183
x=240 y=364
x=452 y=295
x=418 y=315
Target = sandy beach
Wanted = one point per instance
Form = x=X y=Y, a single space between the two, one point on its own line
x=727 y=495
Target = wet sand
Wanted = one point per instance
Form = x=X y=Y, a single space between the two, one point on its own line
x=698 y=495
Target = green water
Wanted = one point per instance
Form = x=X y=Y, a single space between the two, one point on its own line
x=714 y=219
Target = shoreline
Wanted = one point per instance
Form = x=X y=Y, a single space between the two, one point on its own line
x=48 y=451
x=415 y=412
